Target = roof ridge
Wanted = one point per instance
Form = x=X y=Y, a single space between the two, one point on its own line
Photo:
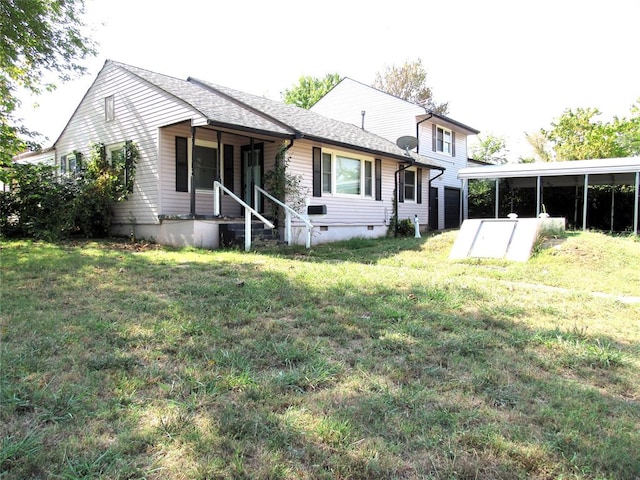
x=211 y=87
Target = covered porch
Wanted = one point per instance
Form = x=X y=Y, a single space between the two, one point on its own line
x=215 y=187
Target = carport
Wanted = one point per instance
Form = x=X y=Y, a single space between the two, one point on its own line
x=580 y=174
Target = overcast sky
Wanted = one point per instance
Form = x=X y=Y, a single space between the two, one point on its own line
x=505 y=66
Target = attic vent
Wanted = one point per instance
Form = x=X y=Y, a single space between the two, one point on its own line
x=109 y=108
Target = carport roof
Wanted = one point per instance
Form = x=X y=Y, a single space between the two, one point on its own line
x=614 y=170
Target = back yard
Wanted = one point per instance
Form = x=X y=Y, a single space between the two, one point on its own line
x=366 y=359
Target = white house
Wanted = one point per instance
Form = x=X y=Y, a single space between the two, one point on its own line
x=191 y=133
x=442 y=141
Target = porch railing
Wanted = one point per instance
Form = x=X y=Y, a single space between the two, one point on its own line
x=248 y=211
x=287 y=219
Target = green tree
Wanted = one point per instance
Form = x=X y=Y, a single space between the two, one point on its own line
x=409 y=82
x=579 y=135
x=541 y=147
x=309 y=90
x=490 y=149
x=629 y=130
x=36 y=37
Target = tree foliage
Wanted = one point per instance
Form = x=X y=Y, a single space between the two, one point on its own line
x=579 y=135
x=409 y=82
x=540 y=145
x=309 y=90
x=37 y=37
x=490 y=149
x=41 y=203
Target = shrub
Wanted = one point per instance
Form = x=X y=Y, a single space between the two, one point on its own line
x=43 y=205
x=406 y=228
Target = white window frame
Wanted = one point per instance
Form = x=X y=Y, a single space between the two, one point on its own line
x=327 y=176
x=109 y=149
x=207 y=144
x=332 y=176
x=66 y=158
x=414 y=188
x=447 y=147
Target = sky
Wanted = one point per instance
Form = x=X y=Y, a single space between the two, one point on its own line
x=506 y=67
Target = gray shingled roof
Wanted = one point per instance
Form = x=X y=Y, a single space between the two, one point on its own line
x=208 y=105
x=226 y=106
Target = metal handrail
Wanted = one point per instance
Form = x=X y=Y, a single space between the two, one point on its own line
x=248 y=211
x=288 y=212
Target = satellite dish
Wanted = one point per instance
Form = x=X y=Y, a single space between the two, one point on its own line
x=407 y=143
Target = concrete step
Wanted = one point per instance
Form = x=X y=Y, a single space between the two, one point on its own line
x=232 y=235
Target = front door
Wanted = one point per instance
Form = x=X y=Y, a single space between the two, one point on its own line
x=252 y=173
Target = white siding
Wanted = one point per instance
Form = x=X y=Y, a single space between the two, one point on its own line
x=385 y=115
x=452 y=164
x=180 y=202
x=140 y=109
x=391 y=117
x=350 y=213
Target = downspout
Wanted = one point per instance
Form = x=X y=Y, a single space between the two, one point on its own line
x=289 y=146
x=218 y=156
x=192 y=181
x=429 y=191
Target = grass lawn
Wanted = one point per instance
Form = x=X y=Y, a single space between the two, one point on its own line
x=367 y=359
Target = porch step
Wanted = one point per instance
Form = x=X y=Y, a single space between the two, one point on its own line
x=232 y=235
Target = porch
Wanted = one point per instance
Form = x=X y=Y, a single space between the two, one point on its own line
x=221 y=231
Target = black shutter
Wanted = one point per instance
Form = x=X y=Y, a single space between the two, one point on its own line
x=453 y=144
x=419 y=185
x=378 y=179
x=317 y=172
x=433 y=137
x=79 y=161
x=128 y=166
x=401 y=187
x=228 y=166
x=182 y=167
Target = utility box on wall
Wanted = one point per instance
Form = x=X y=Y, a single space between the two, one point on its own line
x=316 y=209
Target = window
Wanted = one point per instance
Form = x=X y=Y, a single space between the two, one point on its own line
x=204 y=166
x=335 y=173
x=109 y=108
x=409 y=185
x=326 y=173
x=368 y=179
x=69 y=164
x=444 y=140
x=118 y=156
x=351 y=176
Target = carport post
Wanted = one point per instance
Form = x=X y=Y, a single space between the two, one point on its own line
x=538 y=196
x=613 y=200
x=635 y=209
x=585 y=202
x=497 y=196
